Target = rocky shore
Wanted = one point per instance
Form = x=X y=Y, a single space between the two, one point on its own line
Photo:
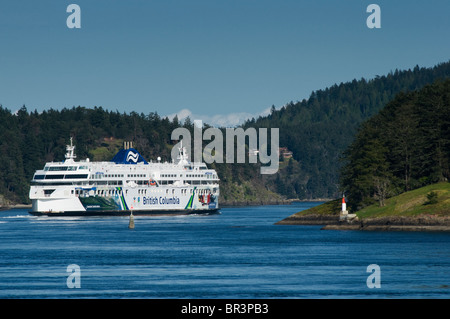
x=391 y=223
x=310 y=219
x=235 y=203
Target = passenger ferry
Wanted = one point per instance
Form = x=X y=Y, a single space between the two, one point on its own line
x=127 y=184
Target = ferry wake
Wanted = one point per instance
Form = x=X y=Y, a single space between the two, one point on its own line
x=127 y=184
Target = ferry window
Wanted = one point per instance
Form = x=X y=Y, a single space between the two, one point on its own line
x=58 y=168
x=75 y=176
x=54 y=176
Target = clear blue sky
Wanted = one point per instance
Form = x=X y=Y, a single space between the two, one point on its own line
x=216 y=60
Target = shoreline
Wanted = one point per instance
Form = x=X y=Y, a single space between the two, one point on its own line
x=430 y=223
x=225 y=204
x=17 y=206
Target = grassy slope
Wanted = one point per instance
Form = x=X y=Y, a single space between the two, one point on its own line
x=107 y=150
x=411 y=203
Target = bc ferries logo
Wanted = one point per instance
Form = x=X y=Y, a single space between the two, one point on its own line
x=132 y=157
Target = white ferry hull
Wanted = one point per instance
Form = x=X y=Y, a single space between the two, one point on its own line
x=121 y=202
x=127 y=184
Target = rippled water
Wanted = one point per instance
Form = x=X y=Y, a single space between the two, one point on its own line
x=239 y=253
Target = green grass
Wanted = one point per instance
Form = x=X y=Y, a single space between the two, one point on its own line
x=329 y=208
x=411 y=203
x=107 y=150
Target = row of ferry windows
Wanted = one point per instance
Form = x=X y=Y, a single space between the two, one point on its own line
x=140 y=192
x=187 y=175
x=63 y=168
x=99 y=176
x=119 y=192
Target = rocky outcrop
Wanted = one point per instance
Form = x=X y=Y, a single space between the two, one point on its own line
x=389 y=223
x=232 y=203
x=310 y=219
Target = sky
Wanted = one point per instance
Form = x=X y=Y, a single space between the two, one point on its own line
x=220 y=61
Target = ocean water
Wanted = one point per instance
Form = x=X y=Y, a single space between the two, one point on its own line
x=237 y=254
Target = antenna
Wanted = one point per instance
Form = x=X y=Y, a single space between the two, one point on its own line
x=70 y=155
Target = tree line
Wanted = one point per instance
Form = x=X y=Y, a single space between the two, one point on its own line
x=319 y=129
x=30 y=139
x=405 y=146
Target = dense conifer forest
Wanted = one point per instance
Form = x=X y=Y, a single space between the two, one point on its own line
x=317 y=131
x=404 y=147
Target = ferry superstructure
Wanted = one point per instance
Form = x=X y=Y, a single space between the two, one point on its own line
x=127 y=184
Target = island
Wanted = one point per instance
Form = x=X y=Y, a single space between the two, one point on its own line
x=423 y=209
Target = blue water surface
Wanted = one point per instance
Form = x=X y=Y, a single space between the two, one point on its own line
x=239 y=253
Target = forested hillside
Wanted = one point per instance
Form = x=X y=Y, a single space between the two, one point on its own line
x=28 y=140
x=319 y=129
x=316 y=130
x=404 y=147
